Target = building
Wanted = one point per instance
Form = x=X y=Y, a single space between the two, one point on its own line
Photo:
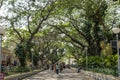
x=7 y=57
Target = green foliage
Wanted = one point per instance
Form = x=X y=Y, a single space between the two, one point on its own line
x=20 y=53
x=108 y=71
x=86 y=19
x=111 y=61
x=21 y=69
x=85 y=23
x=100 y=62
x=35 y=59
x=106 y=49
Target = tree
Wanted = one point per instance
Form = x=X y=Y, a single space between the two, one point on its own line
x=51 y=23
x=51 y=46
x=1 y=3
x=21 y=55
x=84 y=23
x=28 y=16
x=74 y=52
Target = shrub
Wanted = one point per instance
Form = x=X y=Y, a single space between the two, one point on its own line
x=21 y=69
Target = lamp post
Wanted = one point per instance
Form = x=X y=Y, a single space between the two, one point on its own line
x=40 y=59
x=32 y=50
x=1 y=34
x=116 y=31
x=40 y=53
x=86 y=58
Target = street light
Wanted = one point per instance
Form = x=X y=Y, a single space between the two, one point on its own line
x=32 y=50
x=40 y=53
x=86 y=58
x=116 y=31
x=2 y=31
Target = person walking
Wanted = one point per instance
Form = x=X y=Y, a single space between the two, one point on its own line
x=54 y=68
x=79 y=69
x=57 y=69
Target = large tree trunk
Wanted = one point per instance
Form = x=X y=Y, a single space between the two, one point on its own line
x=94 y=44
x=94 y=49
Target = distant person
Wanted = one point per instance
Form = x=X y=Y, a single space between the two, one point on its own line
x=15 y=63
x=54 y=68
x=57 y=69
x=60 y=67
x=79 y=68
x=50 y=67
x=64 y=65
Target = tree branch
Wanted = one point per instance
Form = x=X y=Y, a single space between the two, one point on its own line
x=75 y=40
x=1 y=3
x=72 y=20
x=42 y=20
x=28 y=19
x=12 y=24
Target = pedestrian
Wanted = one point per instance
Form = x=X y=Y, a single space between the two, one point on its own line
x=64 y=65
x=79 y=69
x=50 y=67
x=57 y=69
x=15 y=63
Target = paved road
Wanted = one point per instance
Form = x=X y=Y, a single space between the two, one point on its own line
x=67 y=74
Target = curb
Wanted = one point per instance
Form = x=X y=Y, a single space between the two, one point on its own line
x=22 y=75
x=99 y=76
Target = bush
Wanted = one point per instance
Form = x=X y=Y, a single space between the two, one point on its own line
x=108 y=71
x=101 y=64
x=21 y=69
x=98 y=61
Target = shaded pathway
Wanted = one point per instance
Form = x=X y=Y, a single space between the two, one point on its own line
x=67 y=74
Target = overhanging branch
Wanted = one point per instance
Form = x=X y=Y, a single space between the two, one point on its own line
x=73 y=39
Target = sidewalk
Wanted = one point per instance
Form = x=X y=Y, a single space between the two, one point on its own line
x=67 y=74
